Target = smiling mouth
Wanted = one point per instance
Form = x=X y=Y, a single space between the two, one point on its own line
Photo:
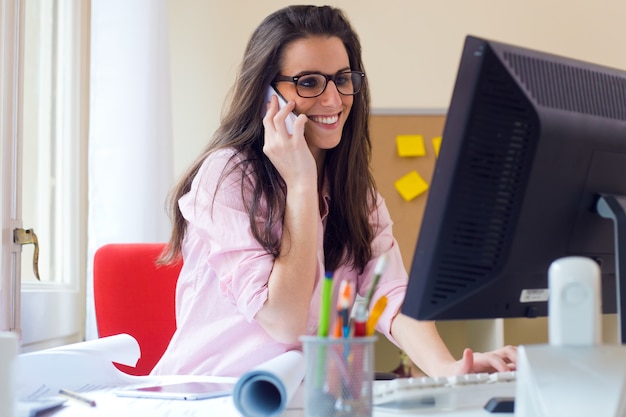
x=325 y=120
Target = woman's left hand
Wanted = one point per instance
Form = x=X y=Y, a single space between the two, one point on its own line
x=498 y=360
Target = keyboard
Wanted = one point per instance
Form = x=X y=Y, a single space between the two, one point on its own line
x=442 y=393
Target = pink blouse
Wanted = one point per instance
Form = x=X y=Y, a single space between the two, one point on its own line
x=223 y=282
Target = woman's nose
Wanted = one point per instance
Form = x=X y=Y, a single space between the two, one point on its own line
x=331 y=97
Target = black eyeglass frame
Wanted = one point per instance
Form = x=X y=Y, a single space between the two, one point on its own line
x=294 y=80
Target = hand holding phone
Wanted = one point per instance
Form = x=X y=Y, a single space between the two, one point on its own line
x=291 y=118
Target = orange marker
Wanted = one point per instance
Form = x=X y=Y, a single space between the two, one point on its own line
x=375 y=314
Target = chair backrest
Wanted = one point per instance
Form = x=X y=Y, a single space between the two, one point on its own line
x=134 y=295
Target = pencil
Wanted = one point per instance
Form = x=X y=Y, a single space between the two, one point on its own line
x=78 y=397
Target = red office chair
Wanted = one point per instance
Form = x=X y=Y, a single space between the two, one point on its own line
x=134 y=295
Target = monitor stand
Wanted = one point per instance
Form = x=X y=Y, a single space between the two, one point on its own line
x=575 y=375
x=614 y=207
x=572 y=381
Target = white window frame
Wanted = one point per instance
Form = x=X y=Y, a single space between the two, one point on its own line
x=50 y=312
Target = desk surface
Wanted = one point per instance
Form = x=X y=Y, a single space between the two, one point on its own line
x=76 y=410
x=110 y=405
x=74 y=366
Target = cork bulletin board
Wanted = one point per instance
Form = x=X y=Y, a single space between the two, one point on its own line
x=390 y=164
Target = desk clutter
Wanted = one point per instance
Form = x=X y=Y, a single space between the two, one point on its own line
x=339 y=373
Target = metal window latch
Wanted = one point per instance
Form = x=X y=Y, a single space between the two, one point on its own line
x=26 y=237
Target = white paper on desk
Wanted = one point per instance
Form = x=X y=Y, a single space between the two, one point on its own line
x=285 y=373
x=110 y=405
x=121 y=348
x=80 y=367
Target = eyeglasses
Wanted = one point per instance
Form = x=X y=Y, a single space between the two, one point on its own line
x=314 y=84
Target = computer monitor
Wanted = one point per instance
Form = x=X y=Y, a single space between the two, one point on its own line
x=530 y=144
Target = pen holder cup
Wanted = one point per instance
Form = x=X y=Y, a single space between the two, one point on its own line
x=339 y=376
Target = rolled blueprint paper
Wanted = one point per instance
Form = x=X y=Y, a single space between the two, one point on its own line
x=266 y=390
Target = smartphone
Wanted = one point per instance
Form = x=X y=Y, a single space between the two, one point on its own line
x=196 y=390
x=281 y=103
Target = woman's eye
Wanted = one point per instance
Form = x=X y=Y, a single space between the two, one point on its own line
x=342 y=80
x=309 y=82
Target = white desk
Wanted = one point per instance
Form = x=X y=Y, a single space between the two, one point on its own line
x=76 y=410
x=109 y=405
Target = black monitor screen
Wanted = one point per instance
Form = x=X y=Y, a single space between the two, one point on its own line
x=531 y=140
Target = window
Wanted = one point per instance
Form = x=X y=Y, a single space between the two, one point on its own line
x=45 y=44
x=51 y=169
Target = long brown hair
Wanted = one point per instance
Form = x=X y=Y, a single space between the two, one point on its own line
x=348 y=233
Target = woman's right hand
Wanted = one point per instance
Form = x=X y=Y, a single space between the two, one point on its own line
x=289 y=154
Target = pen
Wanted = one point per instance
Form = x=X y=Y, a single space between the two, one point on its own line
x=78 y=397
x=327 y=293
x=343 y=307
x=377 y=310
x=338 y=327
x=378 y=271
x=360 y=319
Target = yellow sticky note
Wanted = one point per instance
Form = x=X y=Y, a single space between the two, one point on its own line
x=410 y=145
x=437 y=145
x=411 y=185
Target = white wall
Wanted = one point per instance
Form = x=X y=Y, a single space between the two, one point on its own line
x=421 y=40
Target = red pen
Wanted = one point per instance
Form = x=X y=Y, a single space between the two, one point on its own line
x=360 y=320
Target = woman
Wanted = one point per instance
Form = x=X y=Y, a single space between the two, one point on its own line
x=262 y=214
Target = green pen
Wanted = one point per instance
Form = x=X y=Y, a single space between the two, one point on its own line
x=327 y=293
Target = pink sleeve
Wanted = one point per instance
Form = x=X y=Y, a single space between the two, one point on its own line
x=222 y=227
